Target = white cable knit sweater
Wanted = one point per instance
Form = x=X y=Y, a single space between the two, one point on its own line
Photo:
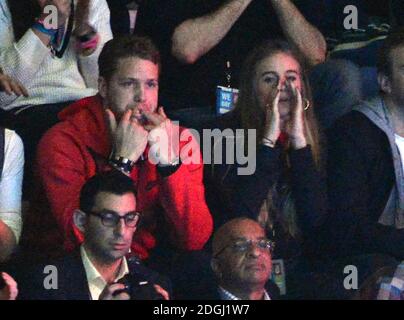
x=47 y=78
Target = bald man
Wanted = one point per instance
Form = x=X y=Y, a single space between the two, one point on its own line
x=241 y=262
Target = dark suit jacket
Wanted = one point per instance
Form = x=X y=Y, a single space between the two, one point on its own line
x=72 y=281
x=210 y=291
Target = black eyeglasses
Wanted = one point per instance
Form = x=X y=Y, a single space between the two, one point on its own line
x=242 y=246
x=111 y=219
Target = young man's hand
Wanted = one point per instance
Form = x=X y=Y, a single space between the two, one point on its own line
x=163 y=138
x=128 y=137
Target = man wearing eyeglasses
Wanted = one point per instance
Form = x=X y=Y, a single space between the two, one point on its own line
x=107 y=217
x=241 y=262
x=118 y=129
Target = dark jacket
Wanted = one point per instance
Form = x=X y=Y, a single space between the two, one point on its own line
x=76 y=149
x=72 y=281
x=212 y=292
x=230 y=195
x=360 y=178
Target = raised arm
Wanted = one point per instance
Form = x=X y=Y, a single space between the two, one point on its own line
x=299 y=32
x=195 y=37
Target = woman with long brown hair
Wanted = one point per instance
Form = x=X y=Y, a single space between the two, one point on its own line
x=285 y=193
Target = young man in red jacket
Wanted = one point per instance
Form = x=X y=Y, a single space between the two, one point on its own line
x=118 y=130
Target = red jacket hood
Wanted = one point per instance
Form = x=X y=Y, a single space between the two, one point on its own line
x=87 y=118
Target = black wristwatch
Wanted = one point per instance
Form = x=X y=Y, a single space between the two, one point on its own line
x=124 y=164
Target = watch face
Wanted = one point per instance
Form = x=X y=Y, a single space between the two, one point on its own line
x=175 y=162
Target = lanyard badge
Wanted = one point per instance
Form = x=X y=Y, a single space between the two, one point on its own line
x=61 y=41
x=226 y=96
x=278 y=275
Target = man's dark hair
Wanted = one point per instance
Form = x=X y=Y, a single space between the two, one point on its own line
x=122 y=47
x=113 y=182
x=394 y=40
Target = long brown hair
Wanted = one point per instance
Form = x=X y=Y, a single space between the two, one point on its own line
x=251 y=116
x=247 y=108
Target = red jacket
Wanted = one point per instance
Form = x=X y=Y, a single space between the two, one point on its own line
x=77 y=148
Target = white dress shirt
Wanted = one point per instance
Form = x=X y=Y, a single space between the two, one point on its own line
x=96 y=283
x=227 y=295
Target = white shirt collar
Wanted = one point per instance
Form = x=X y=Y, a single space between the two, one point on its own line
x=227 y=295
x=96 y=282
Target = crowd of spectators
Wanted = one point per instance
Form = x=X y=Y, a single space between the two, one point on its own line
x=104 y=109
